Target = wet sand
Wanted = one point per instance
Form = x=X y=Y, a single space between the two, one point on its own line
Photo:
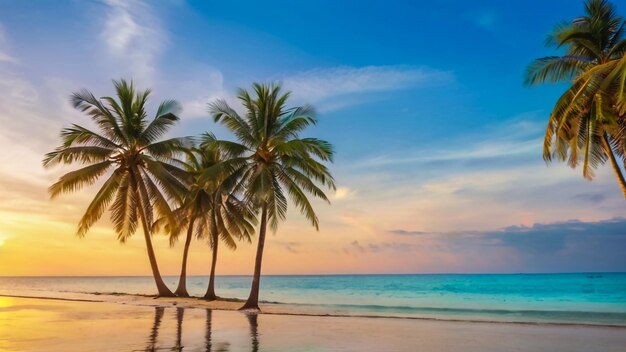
x=28 y=324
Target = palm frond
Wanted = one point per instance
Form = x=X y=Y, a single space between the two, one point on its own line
x=76 y=180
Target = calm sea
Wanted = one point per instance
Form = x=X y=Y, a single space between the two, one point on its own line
x=594 y=298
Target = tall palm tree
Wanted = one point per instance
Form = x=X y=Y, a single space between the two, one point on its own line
x=584 y=124
x=230 y=218
x=140 y=181
x=273 y=159
x=209 y=210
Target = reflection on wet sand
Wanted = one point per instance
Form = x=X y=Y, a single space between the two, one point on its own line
x=220 y=347
x=154 y=333
x=254 y=335
x=68 y=326
x=159 y=312
x=207 y=334
x=180 y=312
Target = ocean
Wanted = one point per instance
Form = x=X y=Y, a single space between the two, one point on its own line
x=576 y=298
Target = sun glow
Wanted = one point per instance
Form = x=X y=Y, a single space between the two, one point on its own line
x=5 y=302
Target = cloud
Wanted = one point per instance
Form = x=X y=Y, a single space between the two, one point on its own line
x=569 y=244
x=133 y=38
x=291 y=247
x=343 y=193
x=565 y=246
x=206 y=86
x=322 y=84
x=330 y=89
x=480 y=150
x=555 y=236
x=4 y=53
x=595 y=198
x=516 y=137
x=409 y=232
x=376 y=247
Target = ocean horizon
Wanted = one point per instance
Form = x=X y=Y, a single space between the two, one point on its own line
x=597 y=298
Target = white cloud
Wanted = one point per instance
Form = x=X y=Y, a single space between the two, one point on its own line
x=133 y=37
x=343 y=193
x=320 y=84
x=6 y=58
x=207 y=86
x=480 y=150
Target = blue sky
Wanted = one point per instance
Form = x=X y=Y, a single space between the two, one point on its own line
x=424 y=101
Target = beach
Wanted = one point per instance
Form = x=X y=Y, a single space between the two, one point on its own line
x=37 y=324
x=576 y=298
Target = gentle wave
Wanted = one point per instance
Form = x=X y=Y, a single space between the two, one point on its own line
x=597 y=298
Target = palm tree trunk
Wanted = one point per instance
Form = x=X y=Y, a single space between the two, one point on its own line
x=253 y=299
x=210 y=292
x=181 y=290
x=161 y=286
x=614 y=164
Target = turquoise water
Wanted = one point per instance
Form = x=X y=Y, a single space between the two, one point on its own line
x=597 y=298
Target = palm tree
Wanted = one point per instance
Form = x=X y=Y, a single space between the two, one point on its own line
x=141 y=182
x=208 y=210
x=230 y=218
x=585 y=119
x=273 y=160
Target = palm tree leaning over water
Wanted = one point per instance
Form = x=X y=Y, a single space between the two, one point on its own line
x=589 y=118
x=209 y=210
x=141 y=182
x=273 y=160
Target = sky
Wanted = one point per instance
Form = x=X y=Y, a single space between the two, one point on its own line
x=438 y=142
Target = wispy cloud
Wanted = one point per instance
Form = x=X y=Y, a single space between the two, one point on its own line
x=329 y=89
x=409 y=232
x=133 y=37
x=321 y=84
x=343 y=193
x=480 y=150
x=515 y=137
x=376 y=247
x=595 y=197
x=291 y=247
x=4 y=53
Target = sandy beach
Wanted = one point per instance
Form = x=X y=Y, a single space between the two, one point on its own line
x=37 y=324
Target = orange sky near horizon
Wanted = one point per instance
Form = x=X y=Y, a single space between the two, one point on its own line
x=37 y=236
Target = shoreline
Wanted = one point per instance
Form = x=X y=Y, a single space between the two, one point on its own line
x=281 y=309
x=68 y=325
